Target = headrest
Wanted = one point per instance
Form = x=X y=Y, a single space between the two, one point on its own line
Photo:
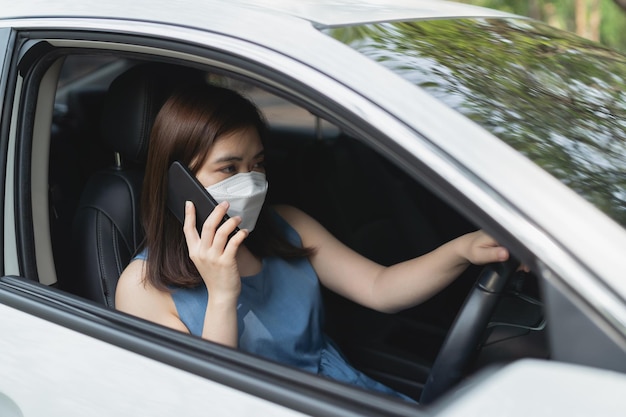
x=132 y=103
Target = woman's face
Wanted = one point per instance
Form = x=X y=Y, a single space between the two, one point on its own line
x=234 y=153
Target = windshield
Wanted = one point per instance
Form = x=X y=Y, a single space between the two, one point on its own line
x=557 y=98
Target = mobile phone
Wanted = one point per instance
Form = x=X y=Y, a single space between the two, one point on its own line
x=183 y=186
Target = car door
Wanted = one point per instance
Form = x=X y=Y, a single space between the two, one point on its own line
x=63 y=355
x=56 y=356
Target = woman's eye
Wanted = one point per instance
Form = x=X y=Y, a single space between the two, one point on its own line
x=259 y=166
x=229 y=169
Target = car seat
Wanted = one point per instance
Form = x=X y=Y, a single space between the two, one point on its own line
x=107 y=229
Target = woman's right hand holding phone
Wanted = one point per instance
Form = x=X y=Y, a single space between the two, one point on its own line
x=215 y=257
x=213 y=254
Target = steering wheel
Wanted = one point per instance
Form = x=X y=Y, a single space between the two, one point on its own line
x=465 y=335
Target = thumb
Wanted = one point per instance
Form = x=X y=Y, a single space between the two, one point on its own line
x=498 y=254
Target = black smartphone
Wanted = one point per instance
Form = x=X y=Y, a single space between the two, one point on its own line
x=183 y=186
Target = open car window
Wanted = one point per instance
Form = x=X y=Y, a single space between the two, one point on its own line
x=359 y=195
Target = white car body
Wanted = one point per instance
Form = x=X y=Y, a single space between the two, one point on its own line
x=77 y=359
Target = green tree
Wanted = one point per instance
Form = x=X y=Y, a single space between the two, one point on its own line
x=599 y=20
x=621 y=4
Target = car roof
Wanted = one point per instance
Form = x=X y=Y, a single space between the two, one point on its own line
x=321 y=12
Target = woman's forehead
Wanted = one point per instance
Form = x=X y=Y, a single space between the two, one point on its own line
x=243 y=142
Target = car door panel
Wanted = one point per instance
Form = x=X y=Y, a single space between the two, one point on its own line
x=83 y=346
x=77 y=375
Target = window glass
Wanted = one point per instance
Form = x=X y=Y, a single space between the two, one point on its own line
x=557 y=98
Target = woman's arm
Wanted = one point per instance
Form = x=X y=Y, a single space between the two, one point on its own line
x=214 y=255
x=135 y=296
x=414 y=281
x=394 y=288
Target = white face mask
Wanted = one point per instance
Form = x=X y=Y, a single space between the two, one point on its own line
x=245 y=192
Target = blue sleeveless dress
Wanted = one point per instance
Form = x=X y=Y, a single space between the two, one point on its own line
x=280 y=317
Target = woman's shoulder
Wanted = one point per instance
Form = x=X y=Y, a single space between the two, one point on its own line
x=131 y=285
x=291 y=214
x=134 y=272
x=135 y=295
x=311 y=232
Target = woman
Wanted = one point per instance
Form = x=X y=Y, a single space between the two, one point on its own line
x=258 y=289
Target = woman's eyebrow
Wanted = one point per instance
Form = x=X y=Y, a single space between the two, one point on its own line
x=228 y=158
x=232 y=158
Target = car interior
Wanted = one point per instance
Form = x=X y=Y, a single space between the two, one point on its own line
x=104 y=106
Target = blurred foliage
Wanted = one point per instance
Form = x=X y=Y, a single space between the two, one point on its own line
x=599 y=20
x=557 y=98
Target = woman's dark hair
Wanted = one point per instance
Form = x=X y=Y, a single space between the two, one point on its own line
x=186 y=127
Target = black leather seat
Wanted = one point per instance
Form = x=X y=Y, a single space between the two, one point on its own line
x=107 y=229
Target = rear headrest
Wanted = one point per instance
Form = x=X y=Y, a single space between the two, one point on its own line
x=132 y=103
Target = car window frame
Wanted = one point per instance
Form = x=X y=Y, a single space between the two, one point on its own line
x=5 y=45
